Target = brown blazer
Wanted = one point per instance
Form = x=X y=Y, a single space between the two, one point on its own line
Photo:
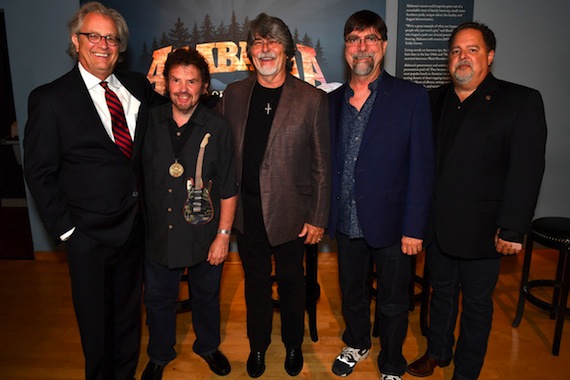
x=295 y=171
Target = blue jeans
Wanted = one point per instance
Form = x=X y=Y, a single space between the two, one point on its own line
x=393 y=272
x=476 y=279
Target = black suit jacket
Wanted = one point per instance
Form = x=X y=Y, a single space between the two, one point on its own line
x=492 y=171
x=75 y=172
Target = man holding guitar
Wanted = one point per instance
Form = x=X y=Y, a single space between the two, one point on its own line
x=190 y=203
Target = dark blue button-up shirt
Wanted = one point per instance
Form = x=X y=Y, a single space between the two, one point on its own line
x=353 y=124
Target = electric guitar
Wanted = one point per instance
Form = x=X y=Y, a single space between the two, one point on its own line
x=198 y=207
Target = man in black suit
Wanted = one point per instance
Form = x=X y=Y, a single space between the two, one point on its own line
x=82 y=161
x=490 y=139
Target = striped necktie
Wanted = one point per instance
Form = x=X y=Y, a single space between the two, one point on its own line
x=118 y=121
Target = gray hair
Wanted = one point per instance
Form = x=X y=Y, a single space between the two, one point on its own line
x=76 y=23
x=266 y=26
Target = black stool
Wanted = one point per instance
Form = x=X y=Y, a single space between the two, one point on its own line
x=312 y=288
x=551 y=232
x=422 y=296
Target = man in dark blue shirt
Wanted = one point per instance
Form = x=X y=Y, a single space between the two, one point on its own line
x=382 y=176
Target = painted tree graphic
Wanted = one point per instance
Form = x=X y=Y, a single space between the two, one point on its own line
x=179 y=36
x=320 y=54
x=221 y=33
x=206 y=29
x=195 y=37
x=234 y=30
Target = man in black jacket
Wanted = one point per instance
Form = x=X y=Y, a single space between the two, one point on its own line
x=490 y=139
x=82 y=165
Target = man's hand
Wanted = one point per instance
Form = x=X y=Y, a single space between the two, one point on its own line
x=506 y=247
x=411 y=246
x=219 y=249
x=313 y=235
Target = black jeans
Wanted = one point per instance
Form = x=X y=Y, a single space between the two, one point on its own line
x=255 y=253
x=161 y=290
x=476 y=279
x=393 y=271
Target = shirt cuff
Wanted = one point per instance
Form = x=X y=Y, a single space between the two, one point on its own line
x=510 y=235
x=67 y=235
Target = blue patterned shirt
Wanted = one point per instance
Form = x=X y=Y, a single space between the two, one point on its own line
x=353 y=124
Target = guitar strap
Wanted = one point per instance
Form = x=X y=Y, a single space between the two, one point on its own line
x=179 y=137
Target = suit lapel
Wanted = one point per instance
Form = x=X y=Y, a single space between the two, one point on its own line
x=286 y=100
x=380 y=110
x=336 y=106
x=241 y=109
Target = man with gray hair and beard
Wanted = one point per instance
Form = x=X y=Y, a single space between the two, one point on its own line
x=281 y=142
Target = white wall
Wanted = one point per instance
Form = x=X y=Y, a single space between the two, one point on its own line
x=532 y=49
x=37 y=42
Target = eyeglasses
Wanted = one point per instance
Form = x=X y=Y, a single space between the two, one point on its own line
x=95 y=38
x=257 y=44
x=368 y=40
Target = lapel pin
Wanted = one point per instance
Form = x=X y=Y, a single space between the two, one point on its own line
x=488 y=97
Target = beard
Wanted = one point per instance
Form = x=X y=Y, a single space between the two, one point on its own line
x=463 y=76
x=186 y=105
x=267 y=70
x=363 y=68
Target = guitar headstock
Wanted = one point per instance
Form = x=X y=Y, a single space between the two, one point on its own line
x=205 y=140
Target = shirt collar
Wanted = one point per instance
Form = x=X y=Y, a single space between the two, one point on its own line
x=372 y=86
x=484 y=87
x=91 y=81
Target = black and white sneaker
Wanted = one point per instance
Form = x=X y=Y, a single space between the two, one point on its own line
x=345 y=362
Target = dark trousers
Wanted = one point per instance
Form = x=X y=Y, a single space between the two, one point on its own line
x=161 y=290
x=476 y=279
x=106 y=284
x=255 y=253
x=355 y=258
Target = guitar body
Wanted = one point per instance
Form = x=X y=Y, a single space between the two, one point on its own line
x=198 y=207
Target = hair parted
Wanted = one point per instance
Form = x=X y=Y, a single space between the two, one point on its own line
x=76 y=23
x=365 y=19
x=488 y=35
x=266 y=26
x=187 y=57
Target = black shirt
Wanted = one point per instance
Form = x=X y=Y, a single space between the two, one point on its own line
x=262 y=109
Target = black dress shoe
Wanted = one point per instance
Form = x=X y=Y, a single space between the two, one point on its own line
x=256 y=364
x=218 y=363
x=152 y=371
x=294 y=361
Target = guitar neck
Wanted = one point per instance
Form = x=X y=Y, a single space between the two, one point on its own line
x=200 y=161
x=199 y=182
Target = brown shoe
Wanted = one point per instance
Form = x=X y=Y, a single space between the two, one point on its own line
x=425 y=365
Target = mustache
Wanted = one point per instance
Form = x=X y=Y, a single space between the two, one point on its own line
x=463 y=62
x=362 y=55
x=267 y=55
